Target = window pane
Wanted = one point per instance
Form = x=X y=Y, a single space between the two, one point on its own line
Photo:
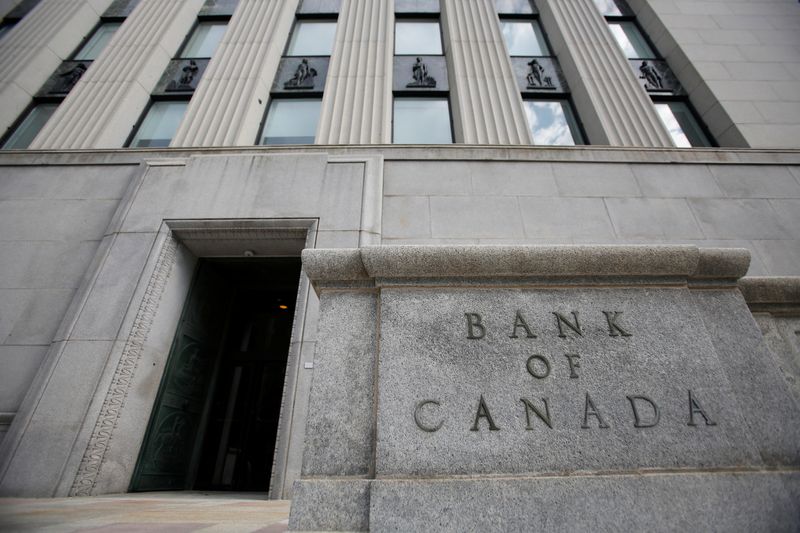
x=159 y=126
x=422 y=121
x=414 y=37
x=631 y=40
x=513 y=7
x=524 y=38
x=5 y=27
x=30 y=127
x=552 y=123
x=312 y=38
x=608 y=8
x=292 y=121
x=97 y=41
x=204 y=40
x=682 y=126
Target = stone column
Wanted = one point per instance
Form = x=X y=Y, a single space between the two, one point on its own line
x=614 y=107
x=357 y=103
x=486 y=105
x=229 y=103
x=36 y=46
x=105 y=104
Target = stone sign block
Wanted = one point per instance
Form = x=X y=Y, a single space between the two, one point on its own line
x=461 y=382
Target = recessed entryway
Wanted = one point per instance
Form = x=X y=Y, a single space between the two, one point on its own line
x=215 y=420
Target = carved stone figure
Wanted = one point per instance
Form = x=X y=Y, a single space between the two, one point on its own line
x=536 y=77
x=651 y=76
x=71 y=77
x=419 y=73
x=303 y=77
x=186 y=81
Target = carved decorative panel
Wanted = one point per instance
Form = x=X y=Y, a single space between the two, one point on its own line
x=64 y=78
x=656 y=76
x=420 y=73
x=181 y=76
x=120 y=8
x=539 y=75
x=301 y=75
x=218 y=8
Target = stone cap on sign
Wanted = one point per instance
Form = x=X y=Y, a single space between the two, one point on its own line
x=593 y=265
x=777 y=295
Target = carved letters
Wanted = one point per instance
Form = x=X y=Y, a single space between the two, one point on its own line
x=591 y=415
x=566 y=324
x=644 y=413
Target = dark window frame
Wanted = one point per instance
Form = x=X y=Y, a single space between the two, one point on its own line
x=305 y=96
x=561 y=97
x=630 y=16
x=309 y=17
x=418 y=17
x=143 y=115
x=438 y=95
x=199 y=20
x=38 y=100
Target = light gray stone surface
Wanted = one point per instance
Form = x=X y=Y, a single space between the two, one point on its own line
x=782 y=337
x=769 y=409
x=426 y=355
x=340 y=423
x=330 y=505
x=724 y=502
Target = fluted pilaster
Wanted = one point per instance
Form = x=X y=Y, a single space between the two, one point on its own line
x=357 y=104
x=229 y=103
x=487 y=108
x=104 y=105
x=614 y=107
x=37 y=45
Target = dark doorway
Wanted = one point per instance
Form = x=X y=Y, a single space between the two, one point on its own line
x=215 y=420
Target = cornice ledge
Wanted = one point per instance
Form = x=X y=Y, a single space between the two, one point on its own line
x=677 y=264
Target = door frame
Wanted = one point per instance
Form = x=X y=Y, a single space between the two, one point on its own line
x=110 y=458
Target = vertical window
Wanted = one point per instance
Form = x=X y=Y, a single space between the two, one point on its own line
x=5 y=27
x=295 y=102
x=421 y=109
x=30 y=126
x=552 y=122
x=545 y=94
x=204 y=40
x=524 y=38
x=421 y=37
x=631 y=40
x=159 y=124
x=170 y=99
x=312 y=38
x=654 y=75
x=422 y=121
x=61 y=82
x=97 y=42
x=681 y=124
x=291 y=121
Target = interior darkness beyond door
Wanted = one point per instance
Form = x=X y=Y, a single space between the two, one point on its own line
x=215 y=420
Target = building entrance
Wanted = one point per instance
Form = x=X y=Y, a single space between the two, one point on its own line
x=215 y=419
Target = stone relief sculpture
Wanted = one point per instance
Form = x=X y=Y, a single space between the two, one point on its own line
x=537 y=78
x=651 y=76
x=421 y=79
x=70 y=78
x=304 y=77
x=186 y=81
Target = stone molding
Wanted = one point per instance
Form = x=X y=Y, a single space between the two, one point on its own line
x=596 y=264
x=776 y=295
x=93 y=457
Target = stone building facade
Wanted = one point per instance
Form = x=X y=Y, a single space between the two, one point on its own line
x=103 y=239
